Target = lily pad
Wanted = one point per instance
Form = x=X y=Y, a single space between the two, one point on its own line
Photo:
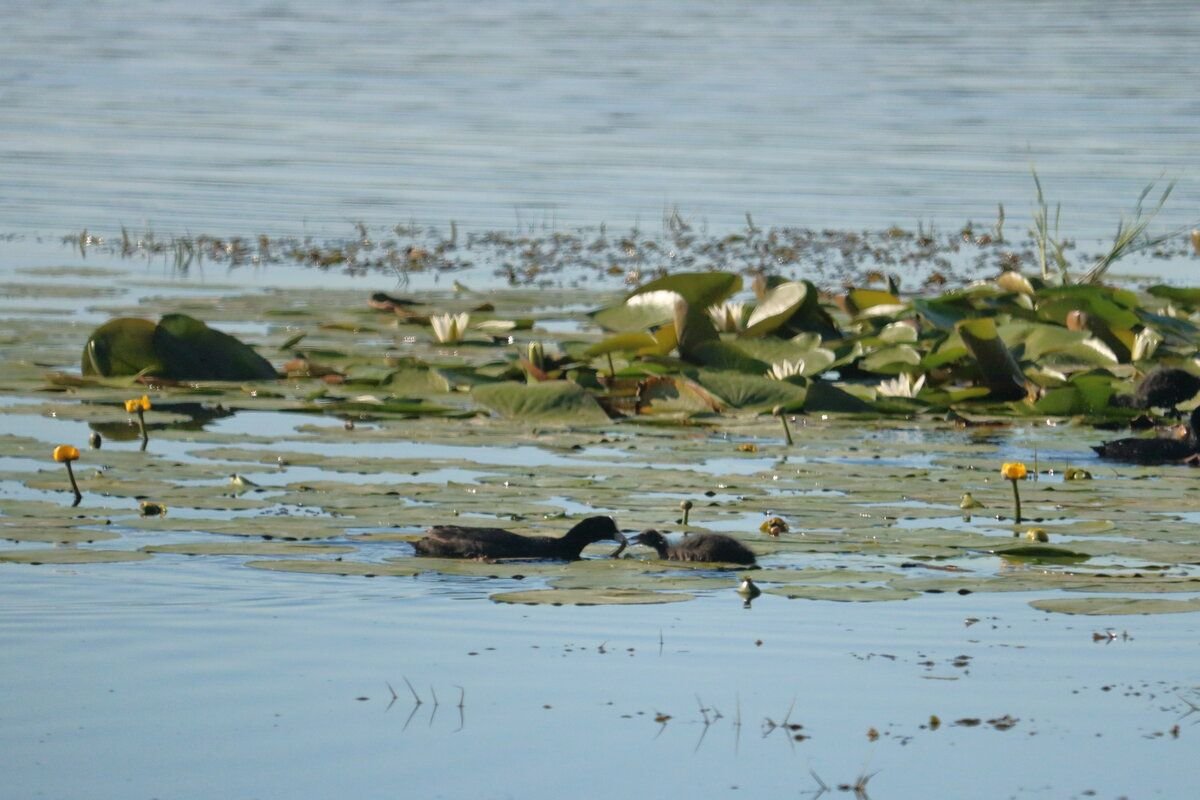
x=549 y=401
x=71 y=555
x=589 y=597
x=1116 y=606
x=841 y=594
x=327 y=567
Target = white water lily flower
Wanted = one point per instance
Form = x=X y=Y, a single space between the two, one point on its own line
x=782 y=370
x=902 y=385
x=1145 y=343
x=449 y=328
x=728 y=317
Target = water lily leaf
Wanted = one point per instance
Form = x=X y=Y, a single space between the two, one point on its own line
x=860 y=300
x=944 y=312
x=623 y=343
x=1114 y=606
x=693 y=329
x=669 y=394
x=1042 y=553
x=1042 y=341
x=654 y=303
x=190 y=350
x=997 y=367
x=247 y=549
x=720 y=355
x=1114 y=306
x=777 y=307
x=841 y=594
x=71 y=555
x=123 y=346
x=754 y=392
x=825 y=396
x=1182 y=295
x=589 y=597
x=561 y=401
x=891 y=360
x=700 y=289
x=328 y=567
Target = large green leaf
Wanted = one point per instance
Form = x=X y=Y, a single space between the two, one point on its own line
x=776 y=308
x=755 y=392
x=702 y=289
x=548 y=401
x=654 y=304
x=1181 y=295
x=190 y=350
x=1044 y=341
x=997 y=367
x=123 y=346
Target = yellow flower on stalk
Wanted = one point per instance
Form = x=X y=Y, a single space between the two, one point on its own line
x=65 y=453
x=1014 y=471
x=136 y=404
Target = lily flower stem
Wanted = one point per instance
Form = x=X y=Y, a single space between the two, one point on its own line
x=787 y=432
x=1017 y=501
x=142 y=426
x=74 y=485
x=612 y=371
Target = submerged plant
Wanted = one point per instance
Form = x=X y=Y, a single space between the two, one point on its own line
x=65 y=454
x=1013 y=472
x=450 y=328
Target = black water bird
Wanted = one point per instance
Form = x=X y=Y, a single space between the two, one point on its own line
x=715 y=547
x=1155 y=449
x=1163 y=387
x=460 y=541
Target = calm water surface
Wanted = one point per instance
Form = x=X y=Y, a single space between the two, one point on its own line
x=199 y=678
x=285 y=116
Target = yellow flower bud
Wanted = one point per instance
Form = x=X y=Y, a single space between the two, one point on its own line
x=1014 y=471
x=65 y=452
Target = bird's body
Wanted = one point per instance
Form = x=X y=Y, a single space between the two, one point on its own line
x=460 y=541
x=713 y=547
x=1154 y=449
x=1163 y=387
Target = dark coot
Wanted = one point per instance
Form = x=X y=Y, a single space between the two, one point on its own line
x=459 y=541
x=1154 y=449
x=698 y=547
x=1163 y=387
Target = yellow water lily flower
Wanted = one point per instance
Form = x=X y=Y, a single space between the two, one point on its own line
x=65 y=453
x=1014 y=471
x=136 y=404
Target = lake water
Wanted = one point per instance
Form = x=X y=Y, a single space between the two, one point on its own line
x=195 y=677
x=288 y=117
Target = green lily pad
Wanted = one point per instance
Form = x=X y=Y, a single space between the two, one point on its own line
x=247 y=549
x=549 y=401
x=841 y=594
x=1116 y=606
x=327 y=567
x=71 y=555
